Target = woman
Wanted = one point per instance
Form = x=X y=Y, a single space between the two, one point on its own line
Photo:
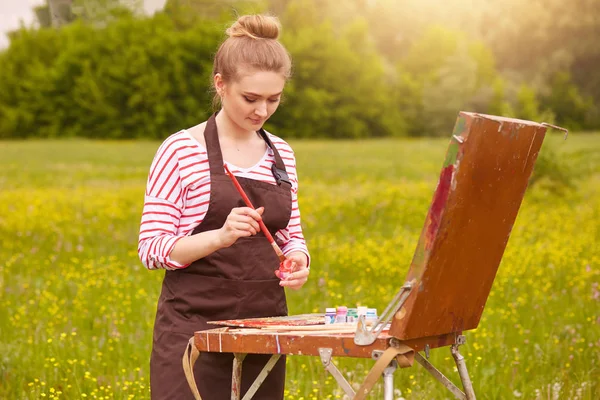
x=219 y=264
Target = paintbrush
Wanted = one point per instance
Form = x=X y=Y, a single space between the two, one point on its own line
x=263 y=227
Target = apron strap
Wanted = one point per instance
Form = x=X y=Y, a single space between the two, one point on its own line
x=278 y=169
x=213 y=147
x=189 y=359
x=404 y=356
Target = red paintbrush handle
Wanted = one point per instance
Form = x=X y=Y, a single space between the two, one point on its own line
x=262 y=225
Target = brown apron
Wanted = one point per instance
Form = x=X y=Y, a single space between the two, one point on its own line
x=234 y=282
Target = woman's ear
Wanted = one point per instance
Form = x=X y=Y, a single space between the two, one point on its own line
x=219 y=84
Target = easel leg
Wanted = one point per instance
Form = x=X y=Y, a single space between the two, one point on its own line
x=388 y=380
x=440 y=377
x=462 y=372
x=236 y=376
x=325 y=354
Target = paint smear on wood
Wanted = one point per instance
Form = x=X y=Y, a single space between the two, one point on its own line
x=288 y=320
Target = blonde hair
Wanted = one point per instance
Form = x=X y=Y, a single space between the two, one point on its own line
x=252 y=43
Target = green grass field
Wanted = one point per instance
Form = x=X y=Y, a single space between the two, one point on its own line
x=77 y=307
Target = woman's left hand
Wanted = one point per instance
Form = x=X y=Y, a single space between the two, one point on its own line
x=299 y=276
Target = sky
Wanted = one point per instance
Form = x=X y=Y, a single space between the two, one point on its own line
x=13 y=12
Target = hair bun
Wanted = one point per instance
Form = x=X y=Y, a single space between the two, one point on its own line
x=255 y=26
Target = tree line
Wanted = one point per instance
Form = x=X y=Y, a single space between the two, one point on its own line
x=361 y=68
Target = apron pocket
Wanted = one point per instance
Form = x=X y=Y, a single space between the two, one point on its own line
x=233 y=262
x=262 y=298
x=206 y=298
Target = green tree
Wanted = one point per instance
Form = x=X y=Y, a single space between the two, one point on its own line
x=55 y=13
x=570 y=106
x=530 y=41
x=498 y=103
x=216 y=10
x=529 y=106
x=134 y=78
x=102 y=12
x=442 y=73
x=61 y=12
x=339 y=87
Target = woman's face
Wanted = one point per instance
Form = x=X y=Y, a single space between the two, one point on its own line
x=251 y=100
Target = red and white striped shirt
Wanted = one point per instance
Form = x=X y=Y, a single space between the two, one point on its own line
x=178 y=192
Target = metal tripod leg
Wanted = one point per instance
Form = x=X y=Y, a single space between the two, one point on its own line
x=440 y=377
x=325 y=354
x=468 y=394
x=388 y=380
x=462 y=372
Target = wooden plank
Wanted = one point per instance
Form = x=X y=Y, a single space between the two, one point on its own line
x=482 y=183
x=297 y=343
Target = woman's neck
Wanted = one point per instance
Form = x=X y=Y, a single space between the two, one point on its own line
x=230 y=130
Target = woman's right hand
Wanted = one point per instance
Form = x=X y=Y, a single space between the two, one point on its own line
x=241 y=222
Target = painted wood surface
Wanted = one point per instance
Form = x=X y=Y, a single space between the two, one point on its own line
x=288 y=320
x=481 y=186
x=298 y=343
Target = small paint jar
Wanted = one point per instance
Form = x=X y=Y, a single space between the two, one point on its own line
x=340 y=316
x=352 y=315
x=330 y=315
x=371 y=316
x=362 y=310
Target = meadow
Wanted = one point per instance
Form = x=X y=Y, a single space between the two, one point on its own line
x=77 y=307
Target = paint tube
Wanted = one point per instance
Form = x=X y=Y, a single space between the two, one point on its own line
x=330 y=315
x=340 y=316
x=371 y=316
x=352 y=315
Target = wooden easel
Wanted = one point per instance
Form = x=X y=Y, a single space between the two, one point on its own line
x=481 y=186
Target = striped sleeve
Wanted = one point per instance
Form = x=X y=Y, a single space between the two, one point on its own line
x=291 y=238
x=163 y=207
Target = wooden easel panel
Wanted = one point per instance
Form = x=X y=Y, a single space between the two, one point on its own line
x=482 y=183
x=224 y=340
